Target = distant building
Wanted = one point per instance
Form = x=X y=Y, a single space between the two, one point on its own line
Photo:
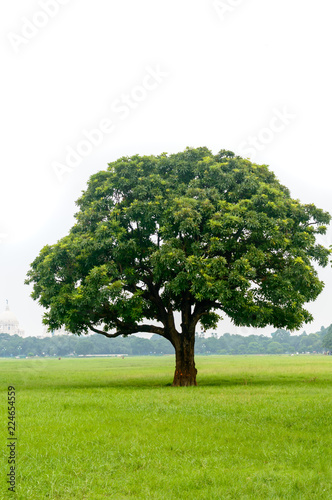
x=9 y=323
x=46 y=333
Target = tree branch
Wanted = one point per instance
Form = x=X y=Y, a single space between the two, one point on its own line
x=153 y=295
x=106 y=334
x=204 y=307
x=129 y=329
x=185 y=311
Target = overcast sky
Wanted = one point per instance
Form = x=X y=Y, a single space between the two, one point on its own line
x=84 y=83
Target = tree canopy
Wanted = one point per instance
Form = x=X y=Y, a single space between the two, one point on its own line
x=194 y=233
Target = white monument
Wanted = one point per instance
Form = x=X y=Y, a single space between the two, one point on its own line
x=9 y=323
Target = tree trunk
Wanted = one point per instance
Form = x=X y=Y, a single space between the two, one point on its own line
x=185 y=371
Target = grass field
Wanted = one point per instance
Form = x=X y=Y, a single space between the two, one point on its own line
x=255 y=428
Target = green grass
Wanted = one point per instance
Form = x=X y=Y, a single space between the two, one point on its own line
x=255 y=428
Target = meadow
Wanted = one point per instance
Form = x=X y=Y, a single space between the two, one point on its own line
x=256 y=427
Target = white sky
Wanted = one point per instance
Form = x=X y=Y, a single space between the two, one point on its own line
x=226 y=72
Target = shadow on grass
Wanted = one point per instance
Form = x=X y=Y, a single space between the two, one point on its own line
x=273 y=381
x=44 y=375
x=145 y=383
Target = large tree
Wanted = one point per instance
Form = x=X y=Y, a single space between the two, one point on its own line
x=185 y=235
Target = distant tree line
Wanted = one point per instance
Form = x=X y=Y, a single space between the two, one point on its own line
x=280 y=342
